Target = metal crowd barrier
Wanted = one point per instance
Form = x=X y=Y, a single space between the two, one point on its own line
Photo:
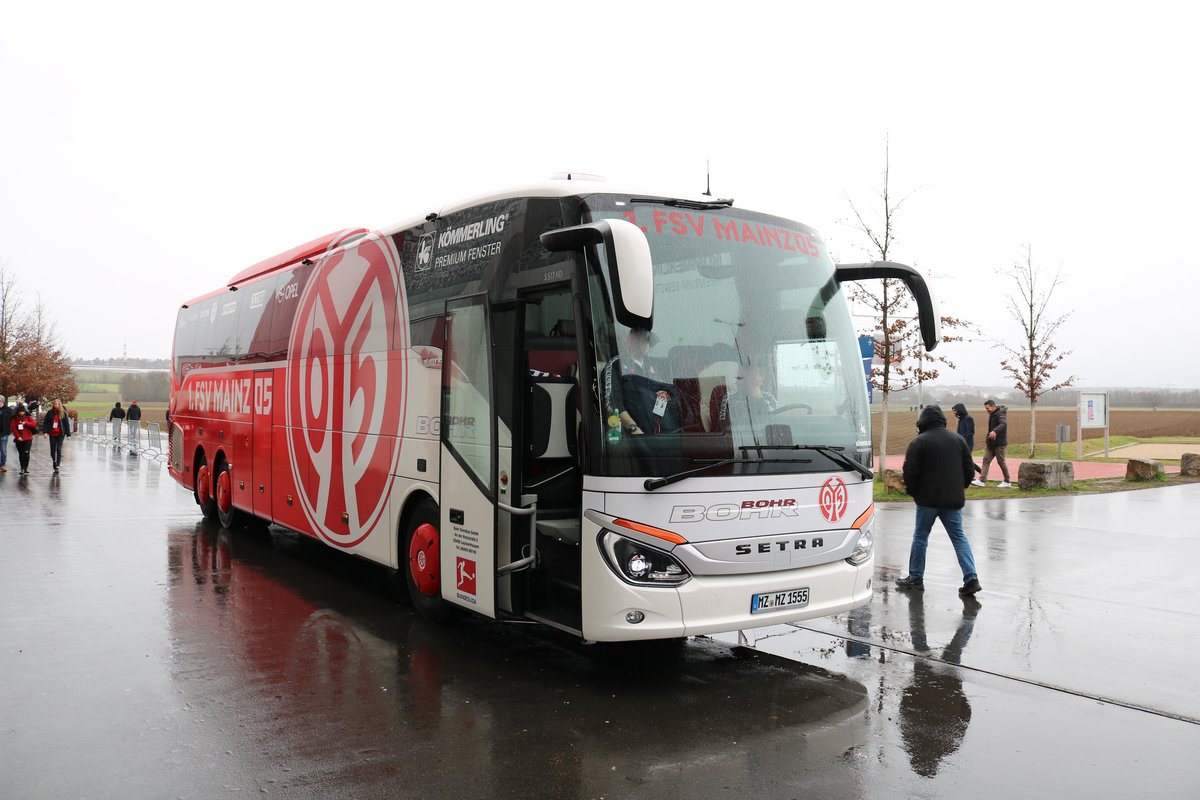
x=128 y=436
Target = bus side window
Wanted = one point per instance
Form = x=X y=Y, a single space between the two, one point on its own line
x=428 y=332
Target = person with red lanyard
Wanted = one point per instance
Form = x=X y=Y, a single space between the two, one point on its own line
x=56 y=425
x=23 y=428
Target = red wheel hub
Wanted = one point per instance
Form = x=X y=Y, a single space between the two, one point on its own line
x=203 y=487
x=224 y=491
x=423 y=557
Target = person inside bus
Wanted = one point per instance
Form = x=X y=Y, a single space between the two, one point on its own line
x=638 y=400
x=747 y=402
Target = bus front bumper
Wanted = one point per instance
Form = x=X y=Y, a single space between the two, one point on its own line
x=618 y=611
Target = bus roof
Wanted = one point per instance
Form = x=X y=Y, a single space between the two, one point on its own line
x=313 y=248
x=563 y=185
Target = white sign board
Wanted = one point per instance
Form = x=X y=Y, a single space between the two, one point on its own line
x=1093 y=410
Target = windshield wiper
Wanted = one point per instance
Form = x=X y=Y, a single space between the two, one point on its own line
x=832 y=452
x=696 y=204
x=657 y=483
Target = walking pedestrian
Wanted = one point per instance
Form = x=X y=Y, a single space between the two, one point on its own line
x=6 y=415
x=966 y=429
x=937 y=471
x=117 y=416
x=23 y=428
x=134 y=414
x=996 y=443
x=56 y=426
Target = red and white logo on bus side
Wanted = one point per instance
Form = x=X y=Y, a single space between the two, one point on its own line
x=833 y=499
x=466 y=575
x=344 y=397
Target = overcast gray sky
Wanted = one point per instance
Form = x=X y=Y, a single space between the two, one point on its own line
x=149 y=151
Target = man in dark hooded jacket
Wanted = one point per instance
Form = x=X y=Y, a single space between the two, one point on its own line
x=937 y=470
x=966 y=425
x=966 y=429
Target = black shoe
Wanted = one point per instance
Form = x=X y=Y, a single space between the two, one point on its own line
x=910 y=583
x=970 y=587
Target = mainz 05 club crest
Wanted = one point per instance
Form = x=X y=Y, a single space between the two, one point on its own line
x=345 y=396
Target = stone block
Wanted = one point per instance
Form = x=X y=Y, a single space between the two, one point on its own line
x=1189 y=465
x=1143 y=469
x=1046 y=475
x=893 y=481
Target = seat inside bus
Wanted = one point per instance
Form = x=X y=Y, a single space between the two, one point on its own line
x=703 y=375
x=552 y=420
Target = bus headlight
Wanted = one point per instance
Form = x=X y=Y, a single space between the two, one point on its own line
x=637 y=563
x=862 y=548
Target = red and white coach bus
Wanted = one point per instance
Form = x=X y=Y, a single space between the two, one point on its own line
x=625 y=415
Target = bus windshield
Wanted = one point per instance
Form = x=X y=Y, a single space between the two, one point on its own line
x=752 y=350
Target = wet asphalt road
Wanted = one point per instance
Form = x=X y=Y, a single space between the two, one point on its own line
x=144 y=654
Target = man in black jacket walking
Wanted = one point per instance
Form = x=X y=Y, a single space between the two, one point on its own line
x=937 y=470
x=116 y=415
x=996 y=443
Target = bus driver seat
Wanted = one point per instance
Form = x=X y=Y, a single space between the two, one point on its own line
x=715 y=382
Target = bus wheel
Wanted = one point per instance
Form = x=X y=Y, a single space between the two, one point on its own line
x=227 y=514
x=203 y=490
x=422 y=546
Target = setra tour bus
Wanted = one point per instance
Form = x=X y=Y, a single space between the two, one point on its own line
x=622 y=414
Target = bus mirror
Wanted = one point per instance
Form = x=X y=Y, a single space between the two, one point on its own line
x=631 y=270
x=927 y=310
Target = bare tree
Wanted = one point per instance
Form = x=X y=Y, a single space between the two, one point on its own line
x=32 y=362
x=903 y=361
x=1033 y=361
x=12 y=329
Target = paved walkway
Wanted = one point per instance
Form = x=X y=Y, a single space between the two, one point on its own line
x=1158 y=450
x=1083 y=469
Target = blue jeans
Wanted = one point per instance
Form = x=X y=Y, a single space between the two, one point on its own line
x=952 y=521
x=4 y=450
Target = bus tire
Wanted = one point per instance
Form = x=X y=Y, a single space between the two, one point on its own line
x=223 y=495
x=202 y=488
x=420 y=561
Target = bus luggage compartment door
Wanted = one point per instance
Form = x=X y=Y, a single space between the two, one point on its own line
x=260 y=451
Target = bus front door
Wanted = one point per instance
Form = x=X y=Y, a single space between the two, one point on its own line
x=467 y=550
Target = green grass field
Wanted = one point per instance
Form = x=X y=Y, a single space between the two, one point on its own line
x=98 y=409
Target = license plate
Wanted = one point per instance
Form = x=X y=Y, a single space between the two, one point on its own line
x=770 y=601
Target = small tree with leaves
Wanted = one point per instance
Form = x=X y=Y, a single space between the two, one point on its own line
x=1032 y=361
x=902 y=359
